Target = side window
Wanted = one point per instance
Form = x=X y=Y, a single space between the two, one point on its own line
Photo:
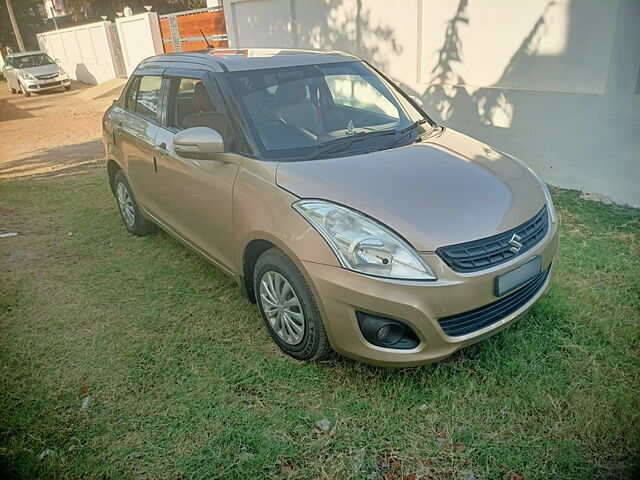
x=193 y=106
x=130 y=96
x=148 y=97
x=184 y=101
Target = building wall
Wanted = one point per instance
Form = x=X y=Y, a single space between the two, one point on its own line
x=139 y=38
x=554 y=82
x=84 y=51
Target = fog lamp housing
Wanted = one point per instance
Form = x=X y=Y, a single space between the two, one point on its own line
x=386 y=332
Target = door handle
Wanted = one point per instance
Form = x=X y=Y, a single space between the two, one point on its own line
x=119 y=124
x=162 y=148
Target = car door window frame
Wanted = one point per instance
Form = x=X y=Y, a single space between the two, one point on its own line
x=235 y=110
x=134 y=83
x=169 y=75
x=219 y=99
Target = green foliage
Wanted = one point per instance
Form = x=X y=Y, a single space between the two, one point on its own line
x=93 y=9
x=29 y=20
x=184 y=382
x=32 y=19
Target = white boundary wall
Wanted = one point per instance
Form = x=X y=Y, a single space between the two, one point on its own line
x=553 y=82
x=140 y=38
x=84 y=51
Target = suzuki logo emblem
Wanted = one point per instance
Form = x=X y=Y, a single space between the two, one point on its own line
x=515 y=243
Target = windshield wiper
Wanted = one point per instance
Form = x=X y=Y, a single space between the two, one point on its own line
x=404 y=133
x=332 y=145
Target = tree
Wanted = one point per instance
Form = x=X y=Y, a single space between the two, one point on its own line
x=30 y=19
x=93 y=9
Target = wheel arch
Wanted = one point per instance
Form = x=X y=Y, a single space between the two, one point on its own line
x=250 y=255
x=112 y=169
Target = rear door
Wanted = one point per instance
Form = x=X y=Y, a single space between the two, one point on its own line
x=137 y=126
x=196 y=194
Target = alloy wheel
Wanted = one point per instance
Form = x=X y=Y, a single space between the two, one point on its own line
x=125 y=204
x=282 y=307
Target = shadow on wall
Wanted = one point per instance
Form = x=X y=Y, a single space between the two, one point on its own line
x=334 y=26
x=576 y=123
x=84 y=75
x=447 y=95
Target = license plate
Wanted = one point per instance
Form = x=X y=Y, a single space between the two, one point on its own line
x=518 y=276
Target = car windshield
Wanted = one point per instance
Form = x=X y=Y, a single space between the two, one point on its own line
x=311 y=111
x=36 y=60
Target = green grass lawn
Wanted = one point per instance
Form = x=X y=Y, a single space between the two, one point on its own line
x=185 y=383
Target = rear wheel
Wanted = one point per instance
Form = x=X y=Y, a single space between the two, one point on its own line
x=288 y=307
x=12 y=90
x=133 y=220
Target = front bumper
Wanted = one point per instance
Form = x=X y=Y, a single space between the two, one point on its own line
x=48 y=84
x=340 y=293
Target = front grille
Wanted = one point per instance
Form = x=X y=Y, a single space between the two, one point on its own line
x=47 y=76
x=474 y=320
x=50 y=84
x=491 y=251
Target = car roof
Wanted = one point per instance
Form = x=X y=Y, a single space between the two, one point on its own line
x=232 y=60
x=24 y=54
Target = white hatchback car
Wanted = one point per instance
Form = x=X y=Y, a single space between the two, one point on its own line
x=35 y=71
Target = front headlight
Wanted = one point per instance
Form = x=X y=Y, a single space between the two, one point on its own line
x=62 y=72
x=27 y=76
x=363 y=245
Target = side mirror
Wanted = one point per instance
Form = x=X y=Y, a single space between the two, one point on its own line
x=198 y=142
x=418 y=101
x=57 y=60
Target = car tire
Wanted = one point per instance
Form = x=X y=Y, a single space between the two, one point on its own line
x=12 y=90
x=24 y=91
x=133 y=219
x=67 y=87
x=288 y=308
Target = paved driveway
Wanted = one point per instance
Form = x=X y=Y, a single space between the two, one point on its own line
x=49 y=133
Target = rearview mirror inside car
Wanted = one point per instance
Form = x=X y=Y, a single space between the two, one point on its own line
x=198 y=142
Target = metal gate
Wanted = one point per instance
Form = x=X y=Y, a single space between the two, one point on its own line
x=181 y=30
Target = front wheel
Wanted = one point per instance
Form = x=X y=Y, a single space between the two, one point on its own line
x=128 y=207
x=288 y=307
x=24 y=91
x=67 y=87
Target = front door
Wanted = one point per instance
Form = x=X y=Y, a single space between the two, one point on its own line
x=196 y=195
x=136 y=128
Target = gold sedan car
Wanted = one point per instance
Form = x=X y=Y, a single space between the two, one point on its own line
x=352 y=219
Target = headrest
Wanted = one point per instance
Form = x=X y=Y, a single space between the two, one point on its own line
x=291 y=92
x=201 y=99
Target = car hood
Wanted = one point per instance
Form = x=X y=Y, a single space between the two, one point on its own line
x=41 y=70
x=448 y=189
